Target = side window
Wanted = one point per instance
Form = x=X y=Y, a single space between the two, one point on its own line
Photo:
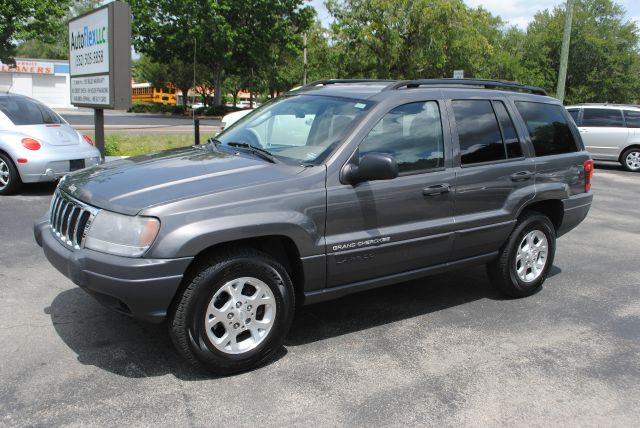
x=632 y=118
x=412 y=134
x=608 y=117
x=509 y=135
x=548 y=127
x=478 y=131
x=575 y=113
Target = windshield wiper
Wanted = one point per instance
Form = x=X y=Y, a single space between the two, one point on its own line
x=259 y=151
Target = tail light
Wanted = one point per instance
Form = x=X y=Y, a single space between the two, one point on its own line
x=31 y=144
x=87 y=139
x=588 y=174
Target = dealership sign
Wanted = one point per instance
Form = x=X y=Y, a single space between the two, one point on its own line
x=32 y=67
x=100 y=57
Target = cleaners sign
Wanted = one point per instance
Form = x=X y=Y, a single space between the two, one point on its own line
x=100 y=57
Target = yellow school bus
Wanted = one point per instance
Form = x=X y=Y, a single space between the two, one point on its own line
x=147 y=93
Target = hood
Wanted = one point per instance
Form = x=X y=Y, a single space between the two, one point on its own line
x=130 y=185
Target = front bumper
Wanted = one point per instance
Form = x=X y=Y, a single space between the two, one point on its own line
x=139 y=287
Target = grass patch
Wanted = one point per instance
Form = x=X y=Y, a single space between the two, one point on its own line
x=134 y=144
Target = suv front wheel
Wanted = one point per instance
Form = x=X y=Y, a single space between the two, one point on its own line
x=524 y=262
x=235 y=312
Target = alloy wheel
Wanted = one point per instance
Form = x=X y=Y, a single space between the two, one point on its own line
x=531 y=257
x=4 y=174
x=632 y=160
x=240 y=315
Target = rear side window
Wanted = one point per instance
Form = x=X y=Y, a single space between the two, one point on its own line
x=412 y=134
x=23 y=111
x=485 y=131
x=549 y=128
x=606 y=117
x=632 y=118
x=574 y=112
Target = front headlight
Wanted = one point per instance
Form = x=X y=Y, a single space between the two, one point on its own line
x=121 y=235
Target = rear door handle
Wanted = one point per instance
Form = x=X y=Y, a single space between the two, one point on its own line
x=436 y=189
x=521 y=176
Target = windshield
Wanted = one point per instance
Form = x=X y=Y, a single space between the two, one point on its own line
x=23 y=111
x=303 y=128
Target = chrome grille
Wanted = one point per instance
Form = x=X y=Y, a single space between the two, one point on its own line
x=70 y=219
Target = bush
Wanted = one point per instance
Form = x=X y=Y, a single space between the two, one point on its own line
x=111 y=148
x=176 y=109
x=139 y=107
x=215 y=110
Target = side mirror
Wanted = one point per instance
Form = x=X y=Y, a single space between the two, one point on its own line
x=372 y=166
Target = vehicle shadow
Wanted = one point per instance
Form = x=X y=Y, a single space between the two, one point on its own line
x=609 y=166
x=37 y=189
x=118 y=344
x=129 y=348
x=393 y=303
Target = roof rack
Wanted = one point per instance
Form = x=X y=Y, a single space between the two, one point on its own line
x=478 y=83
x=344 y=82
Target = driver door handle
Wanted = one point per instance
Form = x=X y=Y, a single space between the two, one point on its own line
x=436 y=189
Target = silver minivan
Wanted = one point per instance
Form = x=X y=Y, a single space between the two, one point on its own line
x=610 y=132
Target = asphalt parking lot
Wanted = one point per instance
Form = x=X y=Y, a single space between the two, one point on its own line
x=445 y=350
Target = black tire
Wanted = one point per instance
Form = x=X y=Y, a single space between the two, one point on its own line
x=14 y=183
x=635 y=167
x=187 y=322
x=502 y=271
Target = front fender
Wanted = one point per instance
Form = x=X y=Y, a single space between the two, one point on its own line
x=192 y=237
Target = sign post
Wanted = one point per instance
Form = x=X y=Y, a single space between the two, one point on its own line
x=100 y=62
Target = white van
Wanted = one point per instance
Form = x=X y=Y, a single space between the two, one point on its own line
x=610 y=132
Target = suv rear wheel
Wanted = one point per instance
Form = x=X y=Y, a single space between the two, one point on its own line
x=524 y=262
x=631 y=159
x=235 y=312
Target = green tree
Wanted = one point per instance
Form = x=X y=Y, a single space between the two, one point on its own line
x=603 y=59
x=29 y=19
x=177 y=72
x=408 y=39
x=228 y=35
x=57 y=47
x=287 y=68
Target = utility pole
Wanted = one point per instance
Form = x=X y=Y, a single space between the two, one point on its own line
x=564 y=53
x=304 y=41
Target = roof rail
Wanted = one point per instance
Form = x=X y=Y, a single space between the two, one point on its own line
x=481 y=83
x=343 y=82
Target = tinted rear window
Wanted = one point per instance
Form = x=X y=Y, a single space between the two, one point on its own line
x=610 y=118
x=548 y=127
x=23 y=111
x=632 y=118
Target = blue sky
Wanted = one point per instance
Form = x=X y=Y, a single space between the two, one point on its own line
x=516 y=12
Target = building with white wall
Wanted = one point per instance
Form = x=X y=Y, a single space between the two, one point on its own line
x=46 y=80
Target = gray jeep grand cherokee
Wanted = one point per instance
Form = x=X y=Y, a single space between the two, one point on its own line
x=340 y=186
